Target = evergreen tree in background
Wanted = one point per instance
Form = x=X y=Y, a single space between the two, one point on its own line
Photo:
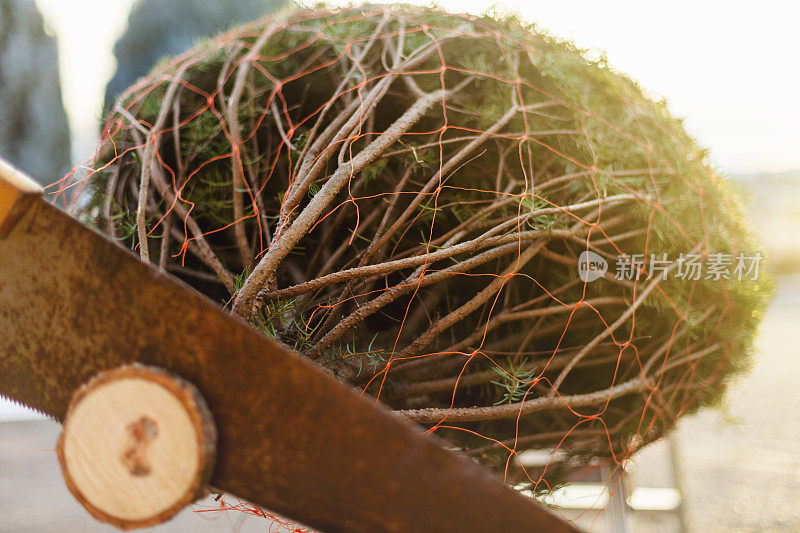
x=159 y=28
x=34 y=134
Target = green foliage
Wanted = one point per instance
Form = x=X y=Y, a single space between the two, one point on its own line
x=274 y=315
x=529 y=204
x=514 y=383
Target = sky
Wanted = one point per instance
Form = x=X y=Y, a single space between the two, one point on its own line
x=729 y=68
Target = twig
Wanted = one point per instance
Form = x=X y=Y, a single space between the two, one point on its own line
x=148 y=160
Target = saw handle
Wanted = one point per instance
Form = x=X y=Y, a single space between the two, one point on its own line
x=16 y=193
x=138 y=445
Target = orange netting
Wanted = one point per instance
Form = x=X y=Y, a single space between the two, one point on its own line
x=468 y=220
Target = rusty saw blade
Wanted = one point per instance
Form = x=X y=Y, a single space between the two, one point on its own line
x=291 y=438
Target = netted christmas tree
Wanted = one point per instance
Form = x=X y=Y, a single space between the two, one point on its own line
x=402 y=196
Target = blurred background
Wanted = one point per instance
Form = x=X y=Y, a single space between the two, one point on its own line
x=728 y=68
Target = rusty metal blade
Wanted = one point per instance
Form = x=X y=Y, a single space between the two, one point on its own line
x=291 y=438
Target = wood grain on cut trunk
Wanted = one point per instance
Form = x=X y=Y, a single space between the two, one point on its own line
x=138 y=445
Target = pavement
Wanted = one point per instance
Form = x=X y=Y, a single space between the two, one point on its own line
x=34 y=499
x=742 y=469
